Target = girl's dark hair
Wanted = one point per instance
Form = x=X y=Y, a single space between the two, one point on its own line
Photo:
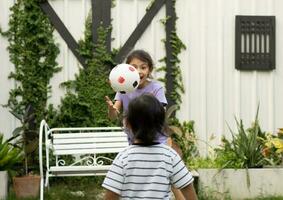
x=146 y=117
x=141 y=55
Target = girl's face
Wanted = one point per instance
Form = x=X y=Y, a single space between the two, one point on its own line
x=143 y=70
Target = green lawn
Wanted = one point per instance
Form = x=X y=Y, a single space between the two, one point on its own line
x=73 y=188
x=89 y=188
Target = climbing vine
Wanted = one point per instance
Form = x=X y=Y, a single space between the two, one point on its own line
x=33 y=52
x=177 y=46
x=178 y=87
x=84 y=104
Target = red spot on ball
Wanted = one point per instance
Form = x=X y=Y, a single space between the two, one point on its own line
x=121 y=80
x=132 y=69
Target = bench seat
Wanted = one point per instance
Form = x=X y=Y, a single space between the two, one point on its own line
x=79 y=170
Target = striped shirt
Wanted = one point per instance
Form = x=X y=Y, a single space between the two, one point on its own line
x=147 y=172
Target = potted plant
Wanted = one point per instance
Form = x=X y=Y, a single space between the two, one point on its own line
x=26 y=183
x=9 y=156
x=241 y=165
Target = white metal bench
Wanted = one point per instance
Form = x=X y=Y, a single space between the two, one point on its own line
x=88 y=145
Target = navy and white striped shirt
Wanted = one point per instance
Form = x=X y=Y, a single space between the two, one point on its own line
x=147 y=172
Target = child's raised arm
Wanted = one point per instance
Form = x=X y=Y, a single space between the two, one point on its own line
x=113 y=109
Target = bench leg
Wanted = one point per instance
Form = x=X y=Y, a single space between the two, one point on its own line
x=41 y=188
x=46 y=179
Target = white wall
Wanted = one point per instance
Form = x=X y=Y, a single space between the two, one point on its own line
x=7 y=121
x=215 y=90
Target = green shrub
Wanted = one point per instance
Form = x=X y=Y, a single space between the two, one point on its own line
x=202 y=163
x=9 y=155
x=183 y=134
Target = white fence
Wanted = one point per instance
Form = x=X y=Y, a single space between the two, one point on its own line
x=215 y=90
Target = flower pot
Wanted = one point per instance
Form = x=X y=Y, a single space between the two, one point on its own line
x=26 y=186
x=3 y=184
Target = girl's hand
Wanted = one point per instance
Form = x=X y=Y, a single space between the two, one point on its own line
x=111 y=106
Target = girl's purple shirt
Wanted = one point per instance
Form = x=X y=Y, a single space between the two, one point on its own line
x=154 y=88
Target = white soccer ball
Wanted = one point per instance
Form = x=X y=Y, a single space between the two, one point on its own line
x=124 y=78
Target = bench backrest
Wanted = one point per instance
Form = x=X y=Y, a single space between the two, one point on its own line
x=72 y=141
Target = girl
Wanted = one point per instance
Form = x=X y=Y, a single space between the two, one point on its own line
x=142 y=61
x=147 y=169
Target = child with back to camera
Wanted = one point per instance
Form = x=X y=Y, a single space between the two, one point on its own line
x=147 y=169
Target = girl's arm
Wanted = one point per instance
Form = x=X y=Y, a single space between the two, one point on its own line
x=113 y=109
x=109 y=195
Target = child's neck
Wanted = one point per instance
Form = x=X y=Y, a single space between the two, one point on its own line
x=137 y=141
x=140 y=142
x=144 y=84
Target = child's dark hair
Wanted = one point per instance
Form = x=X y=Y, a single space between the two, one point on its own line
x=146 y=117
x=141 y=55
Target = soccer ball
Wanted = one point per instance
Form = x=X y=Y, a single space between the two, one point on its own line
x=124 y=78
